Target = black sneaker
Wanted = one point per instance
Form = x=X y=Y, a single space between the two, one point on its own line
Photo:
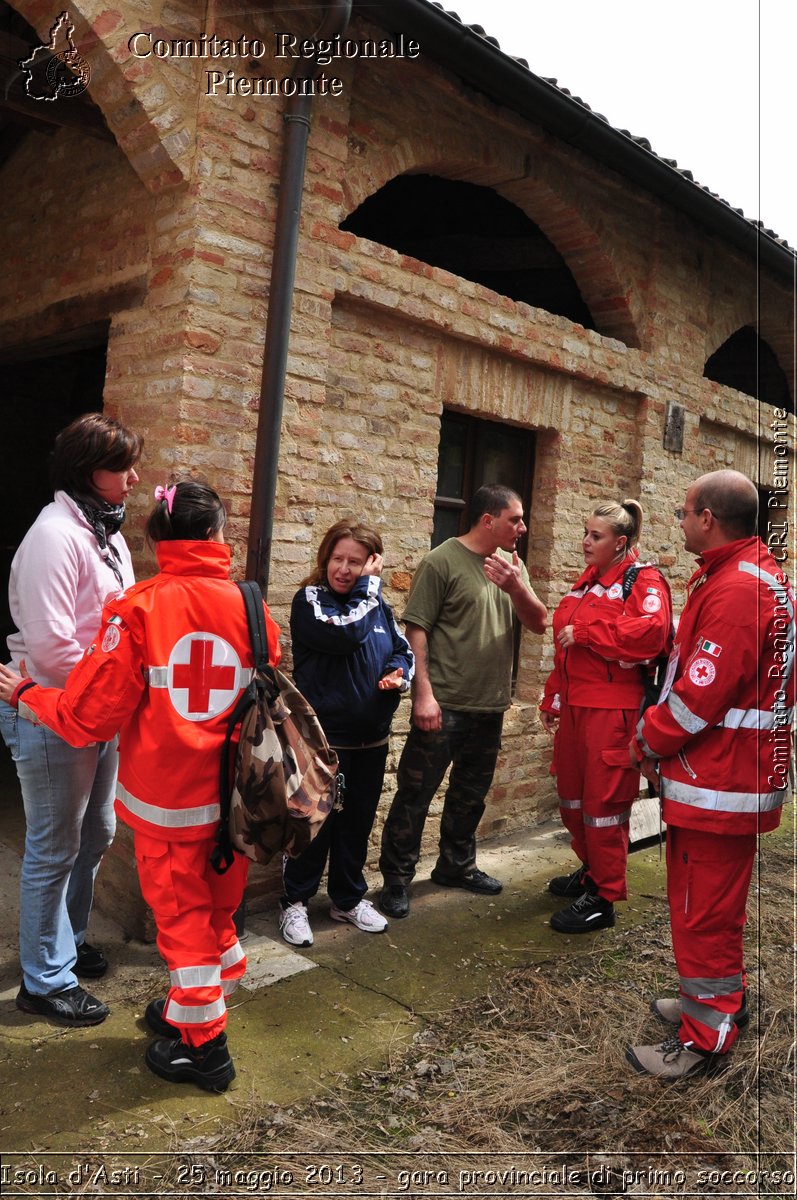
x=394 y=900
x=589 y=912
x=473 y=881
x=157 y=1022
x=72 y=1006
x=570 y=885
x=91 y=962
x=208 y=1065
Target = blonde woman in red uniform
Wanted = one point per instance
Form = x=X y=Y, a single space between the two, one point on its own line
x=612 y=624
x=169 y=662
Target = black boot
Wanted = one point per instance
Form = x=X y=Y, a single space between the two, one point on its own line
x=394 y=900
x=589 y=912
x=208 y=1065
x=569 y=885
x=157 y=1022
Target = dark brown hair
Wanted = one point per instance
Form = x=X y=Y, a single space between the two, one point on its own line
x=91 y=443
x=347 y=528
x=196 y=514
x=491 y=498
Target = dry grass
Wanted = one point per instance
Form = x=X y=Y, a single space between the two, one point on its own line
x=535 y=1070
x=538 y=1064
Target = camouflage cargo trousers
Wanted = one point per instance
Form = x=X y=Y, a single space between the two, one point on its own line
x=469 y=742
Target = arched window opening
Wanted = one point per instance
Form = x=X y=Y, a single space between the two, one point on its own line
x=747 y=363
x=472 y=232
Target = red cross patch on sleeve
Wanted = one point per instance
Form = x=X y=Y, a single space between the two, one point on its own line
x=702 y=672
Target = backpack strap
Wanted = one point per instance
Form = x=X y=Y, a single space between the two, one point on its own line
x=629 y=578
x=255 y=618
x=223 y=855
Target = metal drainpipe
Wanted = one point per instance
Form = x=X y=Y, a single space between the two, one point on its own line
x=278 y=322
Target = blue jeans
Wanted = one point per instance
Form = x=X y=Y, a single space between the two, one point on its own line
x=68 y=797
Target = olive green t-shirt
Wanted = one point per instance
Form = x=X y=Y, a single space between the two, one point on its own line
x=469 y=624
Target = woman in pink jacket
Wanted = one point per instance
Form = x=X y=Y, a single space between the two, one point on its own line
x=72 y=559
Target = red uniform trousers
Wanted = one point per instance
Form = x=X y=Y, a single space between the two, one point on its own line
x=596 y=787
x=193 y=908
x=708 y=878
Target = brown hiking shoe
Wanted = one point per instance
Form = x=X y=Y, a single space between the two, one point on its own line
x=671 y=1060
x=669 y=1009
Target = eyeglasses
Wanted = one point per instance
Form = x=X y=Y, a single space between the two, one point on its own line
x=680 y=513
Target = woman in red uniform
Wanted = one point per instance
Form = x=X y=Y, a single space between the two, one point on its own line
x=171 y=658
x=614 y=621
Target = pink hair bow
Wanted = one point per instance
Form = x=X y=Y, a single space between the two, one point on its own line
x=167 y=494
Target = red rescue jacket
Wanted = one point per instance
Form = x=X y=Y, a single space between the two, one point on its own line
x=722 y=730
x=172 y=656
x=613 y=638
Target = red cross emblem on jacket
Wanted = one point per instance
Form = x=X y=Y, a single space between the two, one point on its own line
x=204 y=676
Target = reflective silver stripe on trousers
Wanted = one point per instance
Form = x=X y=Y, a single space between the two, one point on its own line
x=755 y=718
x=232 y=956
x=570 y=804
x=621 y=818
x=709 y=798
x=706 y=989
x=168 y=818
x=194 y=1014
x=191 y=977
x=158 y=677
x=721 y=1021
x=687 y=720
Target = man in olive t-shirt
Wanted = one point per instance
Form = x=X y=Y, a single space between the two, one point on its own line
x=460 y=625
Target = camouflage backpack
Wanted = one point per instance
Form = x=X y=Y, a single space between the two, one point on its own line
x=279 y=783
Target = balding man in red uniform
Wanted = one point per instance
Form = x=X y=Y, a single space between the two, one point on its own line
x=721 y=737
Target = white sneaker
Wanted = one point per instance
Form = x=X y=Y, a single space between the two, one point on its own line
x=363 y=915
x=294 y=926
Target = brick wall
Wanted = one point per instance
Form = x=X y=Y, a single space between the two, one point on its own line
x=169 y=233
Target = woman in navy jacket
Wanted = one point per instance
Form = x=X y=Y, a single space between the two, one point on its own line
x=352 y=663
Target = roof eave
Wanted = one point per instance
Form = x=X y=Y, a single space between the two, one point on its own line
x=466 y=53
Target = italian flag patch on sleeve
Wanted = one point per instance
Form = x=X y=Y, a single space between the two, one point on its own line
x=711 y=648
